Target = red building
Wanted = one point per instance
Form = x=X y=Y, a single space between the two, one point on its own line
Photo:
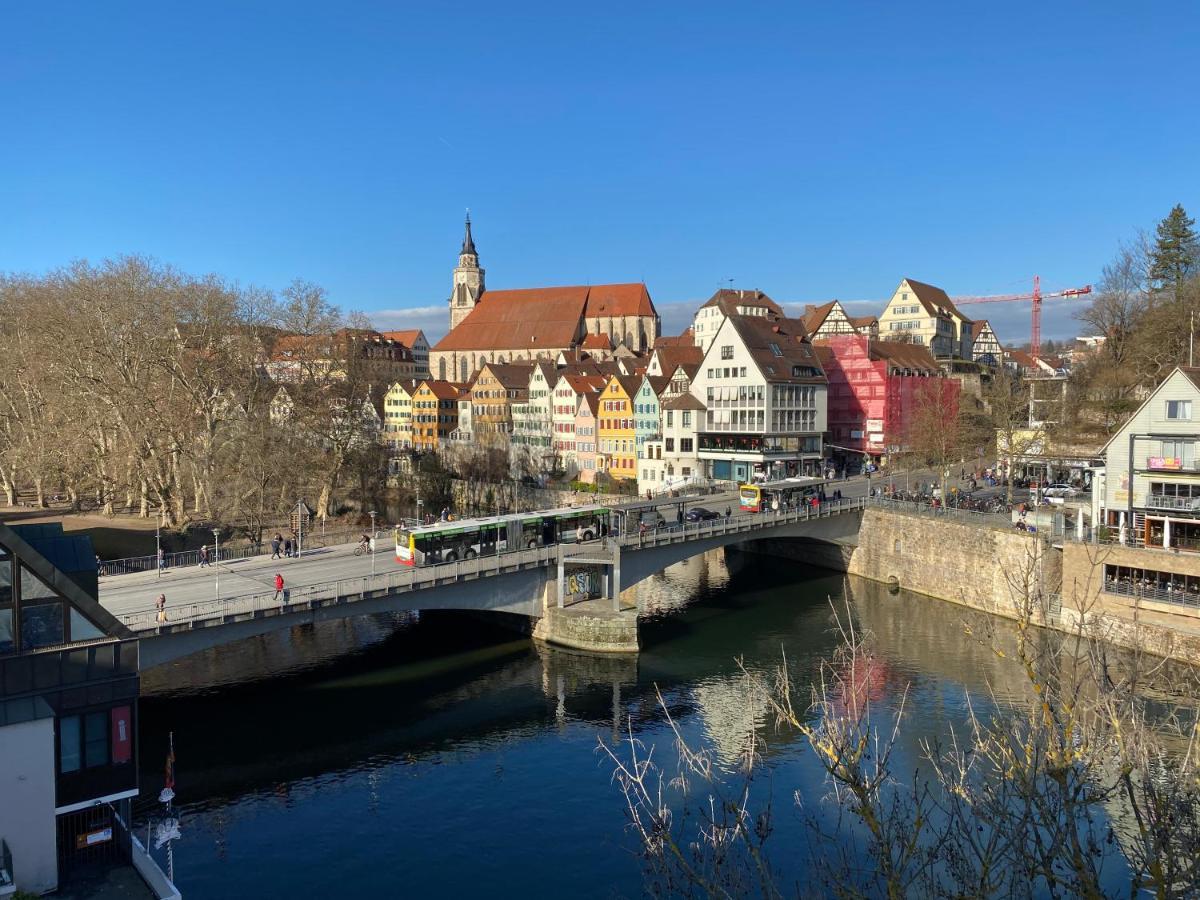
x=874 y=387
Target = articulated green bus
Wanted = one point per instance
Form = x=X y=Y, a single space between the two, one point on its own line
x=469 y=538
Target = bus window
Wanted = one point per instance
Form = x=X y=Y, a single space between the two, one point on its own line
x=531 y=531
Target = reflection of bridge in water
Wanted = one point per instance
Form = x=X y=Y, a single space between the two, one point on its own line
x=408 y=697
x=210 y=607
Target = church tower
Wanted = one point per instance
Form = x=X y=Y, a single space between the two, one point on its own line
x=468 y=280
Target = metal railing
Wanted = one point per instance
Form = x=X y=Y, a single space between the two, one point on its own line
x=926 y=508
x=1163 y=593
x=361 y=587
x=187 y=558
x=1163 y=501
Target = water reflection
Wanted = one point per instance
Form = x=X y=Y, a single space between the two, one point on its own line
x=308 y=757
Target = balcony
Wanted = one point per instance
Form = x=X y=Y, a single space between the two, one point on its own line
x=1178 y=504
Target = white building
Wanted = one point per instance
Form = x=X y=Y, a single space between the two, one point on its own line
x=765 y=394
x=709 y=317
x=1152 y=495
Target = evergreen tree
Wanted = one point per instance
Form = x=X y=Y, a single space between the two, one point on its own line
x=1176 y=253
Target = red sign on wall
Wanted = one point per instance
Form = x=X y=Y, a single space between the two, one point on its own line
x=122 y=735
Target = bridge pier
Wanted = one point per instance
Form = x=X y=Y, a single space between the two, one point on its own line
x=581 y=608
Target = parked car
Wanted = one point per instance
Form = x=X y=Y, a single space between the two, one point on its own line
x=1060 y=490
x=700 y=514
x=651 y=518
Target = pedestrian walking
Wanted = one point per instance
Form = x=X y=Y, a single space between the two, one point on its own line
x=160 y=605
x=276 y=543
x=99 y=566
x=162 y=559
x=279 y=588
x=728 y=512
x=287 y=547
x=204 y=556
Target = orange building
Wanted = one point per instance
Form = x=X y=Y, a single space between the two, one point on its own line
x=434 y=413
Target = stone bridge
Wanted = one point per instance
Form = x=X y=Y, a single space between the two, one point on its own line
x=527 y=583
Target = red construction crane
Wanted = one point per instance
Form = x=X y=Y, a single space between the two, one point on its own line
x=1035 y=337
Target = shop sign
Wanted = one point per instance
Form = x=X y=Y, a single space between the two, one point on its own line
x=1166 y=462
x=874 y=424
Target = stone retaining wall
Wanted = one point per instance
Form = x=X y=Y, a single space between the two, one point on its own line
x=987 y=568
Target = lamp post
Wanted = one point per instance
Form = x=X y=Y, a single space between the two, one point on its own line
x=299 y=527
x=217 y=560
x=158 y=558
x=372 y=514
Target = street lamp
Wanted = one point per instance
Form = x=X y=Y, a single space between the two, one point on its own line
x=217 y=560
x=299 y=527
x=372 y=514
x=158 y=557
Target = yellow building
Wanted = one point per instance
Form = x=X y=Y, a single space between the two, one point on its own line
x=616 y=435
x=397 y=415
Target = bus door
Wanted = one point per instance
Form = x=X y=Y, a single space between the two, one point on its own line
x=531 y=532
x=487 y=539
x=550 y=531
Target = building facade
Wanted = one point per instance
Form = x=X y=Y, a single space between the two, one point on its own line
x=397 y=415
x=68 y=710
x=985 y=346
x=414 y=339
x=725 y=302
x=920 y=313
x=874 y=388
x=831 y=318
x=616 y=431
x=434 y=413
x=1151 y=493
x=764 y=394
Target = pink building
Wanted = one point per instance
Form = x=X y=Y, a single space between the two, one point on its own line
x=586 y=457
x=873 y=388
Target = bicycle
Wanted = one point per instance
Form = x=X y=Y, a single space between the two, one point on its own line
x=361 y=549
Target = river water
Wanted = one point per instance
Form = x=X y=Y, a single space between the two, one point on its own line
x=444 y=756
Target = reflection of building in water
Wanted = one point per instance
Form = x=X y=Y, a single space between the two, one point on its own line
x=678 y=585
x=732 y=714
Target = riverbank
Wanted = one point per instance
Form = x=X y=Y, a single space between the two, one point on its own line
x=1014 y=575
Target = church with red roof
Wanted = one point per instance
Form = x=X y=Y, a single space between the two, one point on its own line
x=537 y=323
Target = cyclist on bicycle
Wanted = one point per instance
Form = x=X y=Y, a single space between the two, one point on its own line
x=365 y=543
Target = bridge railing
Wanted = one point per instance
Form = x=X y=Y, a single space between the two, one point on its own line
x=221 y=609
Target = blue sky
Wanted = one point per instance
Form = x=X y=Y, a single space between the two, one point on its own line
x=813 y=150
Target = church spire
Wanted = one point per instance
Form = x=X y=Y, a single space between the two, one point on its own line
x=468 y=242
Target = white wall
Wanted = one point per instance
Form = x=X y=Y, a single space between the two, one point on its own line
x=27 y=803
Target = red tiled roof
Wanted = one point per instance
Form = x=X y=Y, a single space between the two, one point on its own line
x=586 y=384
x=618 y=300
x=596 y=342
x=729 y=299
x=684 y=401
x=512 y=376
x=906 y=356
x=671 y=357
x=407 y=337
x=536 y=318
x=542 y=318
x=659 y=383
x=687 y=339
x=863 y=321
x=814 y=316
x=762 y=335
x=445 y=390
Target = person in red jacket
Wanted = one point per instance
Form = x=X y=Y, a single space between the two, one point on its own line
x=279 y=586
